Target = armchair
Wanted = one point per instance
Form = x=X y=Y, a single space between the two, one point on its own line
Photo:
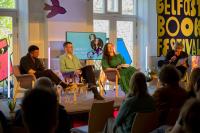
x=23 y=80
x=112 y=76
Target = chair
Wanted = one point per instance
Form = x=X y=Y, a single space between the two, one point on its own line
x=145 y=122
x=76 y=84
x=112 y=76
x=98 y=116
x=24 y=80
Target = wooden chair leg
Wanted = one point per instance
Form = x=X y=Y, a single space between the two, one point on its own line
x=101 y=88
x=116 y=85
x=75 y=98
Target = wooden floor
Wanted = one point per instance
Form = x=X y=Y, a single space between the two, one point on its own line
x=84 y=102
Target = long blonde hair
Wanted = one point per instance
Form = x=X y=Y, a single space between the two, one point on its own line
x=195 y=74
x=137 y=85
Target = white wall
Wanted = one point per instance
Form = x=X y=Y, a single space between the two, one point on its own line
x=37 y=26
x=76 y=19
x=152 y=26
x=142 y=32
x=23 y=28
x=146 y=32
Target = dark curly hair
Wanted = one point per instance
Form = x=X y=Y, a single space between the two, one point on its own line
x=169 y=75
x=32 y=48
x=190 y=116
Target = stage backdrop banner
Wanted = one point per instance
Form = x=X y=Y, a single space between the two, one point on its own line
x=87 y=45
x=178 y=21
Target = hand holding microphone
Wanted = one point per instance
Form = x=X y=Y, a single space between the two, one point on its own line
x=172 y=59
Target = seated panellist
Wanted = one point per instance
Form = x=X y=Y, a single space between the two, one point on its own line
x=69 y=63
x=177 y=57
x=30 y=64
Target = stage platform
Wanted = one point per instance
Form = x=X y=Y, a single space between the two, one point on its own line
x=83 y=104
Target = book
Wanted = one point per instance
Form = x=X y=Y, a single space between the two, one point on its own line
x=181 y=62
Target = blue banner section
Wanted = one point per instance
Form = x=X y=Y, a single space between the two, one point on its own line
x=121 y=48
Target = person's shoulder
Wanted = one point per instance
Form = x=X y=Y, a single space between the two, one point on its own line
x=63 y=56
x=130 y=100
x=74 y=56
x=184 y=53
x=119 y=55
x=24 y=57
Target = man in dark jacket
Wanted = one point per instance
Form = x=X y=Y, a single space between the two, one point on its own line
x=30 y=64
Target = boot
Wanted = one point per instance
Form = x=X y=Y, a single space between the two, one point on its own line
x=64 y=85
x=97 y=96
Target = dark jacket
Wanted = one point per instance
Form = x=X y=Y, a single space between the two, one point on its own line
x=169 y=97
x=182 y=55
x=27 y=63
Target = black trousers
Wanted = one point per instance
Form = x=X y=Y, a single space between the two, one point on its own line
x=88 y=74
x=50 y=74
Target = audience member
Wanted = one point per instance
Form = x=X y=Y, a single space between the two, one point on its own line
x=178 y=128
x=30 y=64
x=64 y=121
x=195 y=74
x=137 y=100
x=3 y=123
x=170 y=95
x=40 y=111
x=70 y=63
x=188 y=121
x=113 y=61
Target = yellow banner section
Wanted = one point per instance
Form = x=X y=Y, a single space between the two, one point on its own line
x=178 y=20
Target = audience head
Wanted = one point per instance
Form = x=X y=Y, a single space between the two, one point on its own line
x=197 y=88
x=40 y=111
x=190 y=116
x=68 y=47
x=46 y=83
x=169 y=75
x=195 y=74
x=108 y=50
x=137 y=85
x=33 y=51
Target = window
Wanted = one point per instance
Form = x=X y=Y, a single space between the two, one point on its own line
x=128 y=7
x=125 y=31
x=112 y=6
x=117 y=19
x=98 y=6
x=101 y=26
x=7 y=4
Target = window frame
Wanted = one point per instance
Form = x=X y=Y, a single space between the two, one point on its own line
x=11 y=9
x=113 y=18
